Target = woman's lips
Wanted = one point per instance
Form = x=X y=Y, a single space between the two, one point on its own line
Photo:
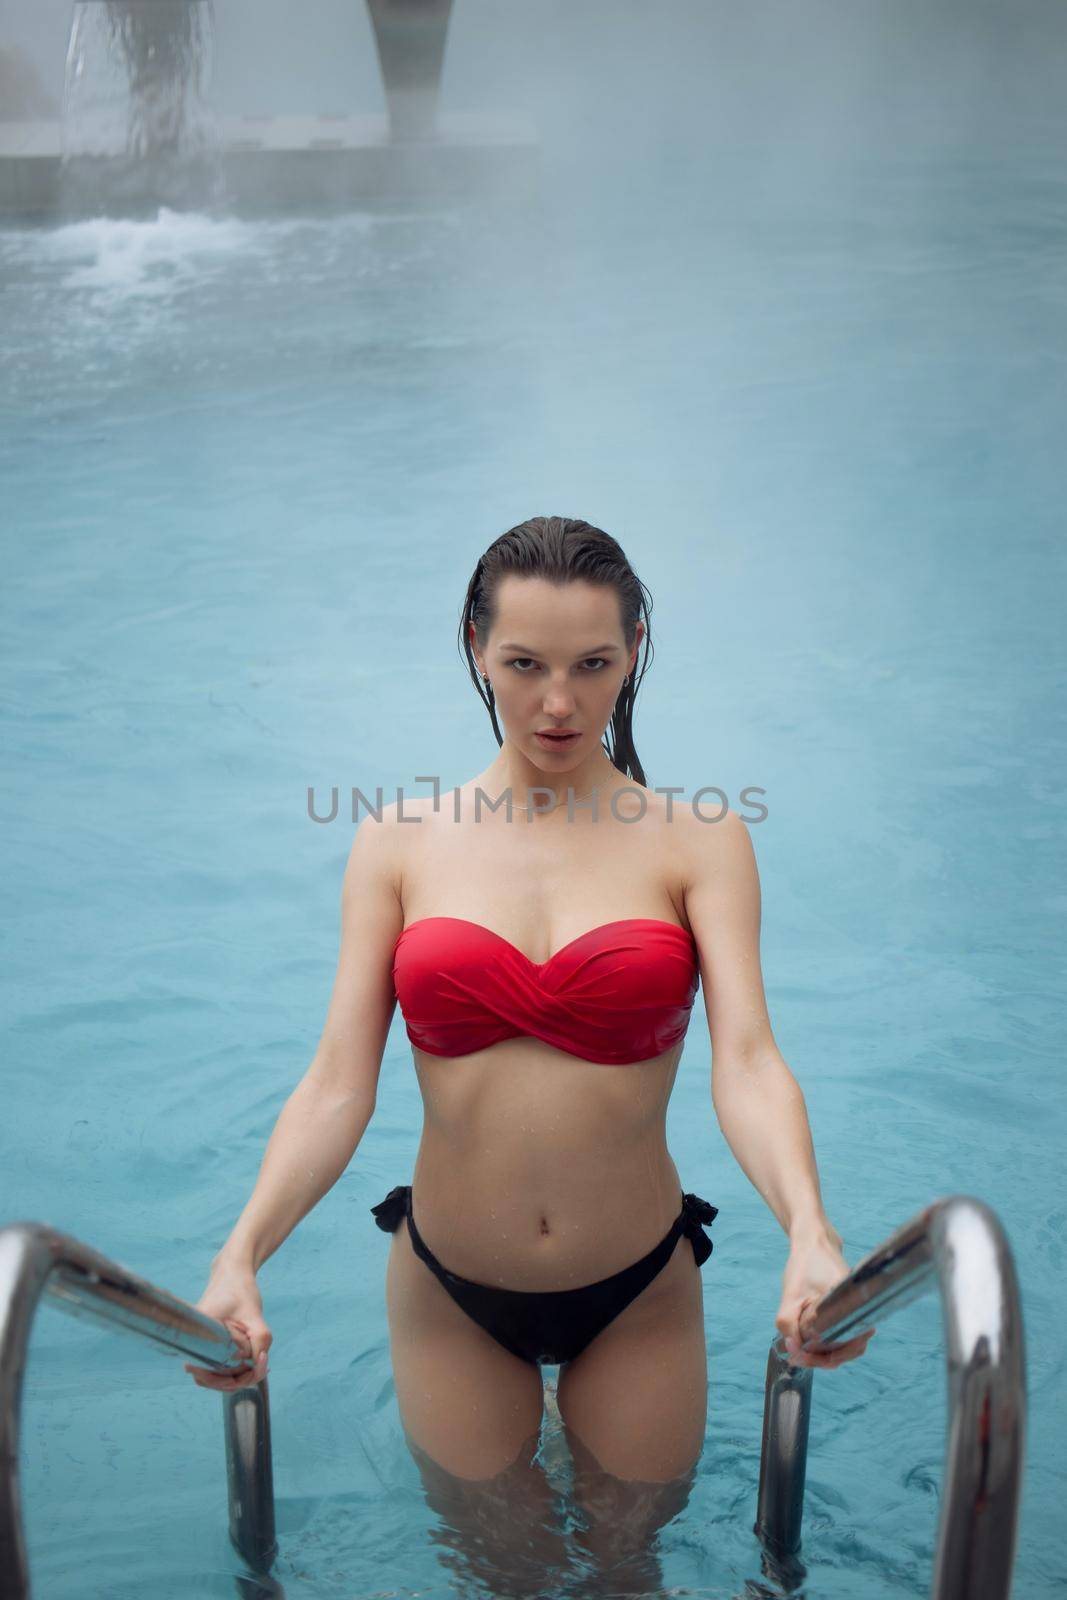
x=557 y=741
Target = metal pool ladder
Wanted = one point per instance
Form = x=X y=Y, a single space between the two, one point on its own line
x=959 y=1244
x=956 y=1242
x=36 y=1259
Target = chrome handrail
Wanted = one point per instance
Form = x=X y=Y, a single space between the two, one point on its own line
x=959 y=1243
x=36 y=1259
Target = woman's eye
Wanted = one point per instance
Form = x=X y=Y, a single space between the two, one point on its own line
x=517 y=662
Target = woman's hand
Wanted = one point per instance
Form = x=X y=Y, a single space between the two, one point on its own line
x=232 y=1296
x=815 y=1265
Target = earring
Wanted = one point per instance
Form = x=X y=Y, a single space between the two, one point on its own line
x=626 y=680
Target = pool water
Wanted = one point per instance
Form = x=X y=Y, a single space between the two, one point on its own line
x=247 y=468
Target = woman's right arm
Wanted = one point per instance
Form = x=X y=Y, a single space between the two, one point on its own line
x=324 y=1118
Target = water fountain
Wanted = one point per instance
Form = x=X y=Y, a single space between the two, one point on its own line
x=138 y=129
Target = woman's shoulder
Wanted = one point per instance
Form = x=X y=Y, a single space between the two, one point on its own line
x=382 y=846
x=391 y=817
x=381 y=831
x=713 y=851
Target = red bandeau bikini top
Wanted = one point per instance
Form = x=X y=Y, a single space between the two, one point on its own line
x=617 y=994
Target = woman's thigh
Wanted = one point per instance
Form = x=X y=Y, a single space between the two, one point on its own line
x=637 y=1396
x=464 y=1400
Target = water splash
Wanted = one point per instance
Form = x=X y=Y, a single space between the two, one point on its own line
x=127 y=256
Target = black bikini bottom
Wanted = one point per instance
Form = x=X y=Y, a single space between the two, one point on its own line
x=552 y=1325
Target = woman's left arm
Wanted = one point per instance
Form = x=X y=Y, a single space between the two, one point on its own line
x=759 y=1104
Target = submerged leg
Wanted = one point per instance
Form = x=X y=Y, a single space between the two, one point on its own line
x=471 y=1414
x=504 y=1536
x=619 y=1519
x=634 y=1408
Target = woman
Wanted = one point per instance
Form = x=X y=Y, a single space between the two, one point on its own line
x=546 y=963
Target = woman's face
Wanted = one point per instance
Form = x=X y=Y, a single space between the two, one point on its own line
x=556 y=658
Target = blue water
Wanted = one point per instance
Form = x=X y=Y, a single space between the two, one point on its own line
x=246 y=471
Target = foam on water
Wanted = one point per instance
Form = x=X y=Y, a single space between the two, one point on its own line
x=127 y=256
x=87 y=297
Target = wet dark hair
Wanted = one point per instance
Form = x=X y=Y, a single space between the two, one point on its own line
x=562 y=550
